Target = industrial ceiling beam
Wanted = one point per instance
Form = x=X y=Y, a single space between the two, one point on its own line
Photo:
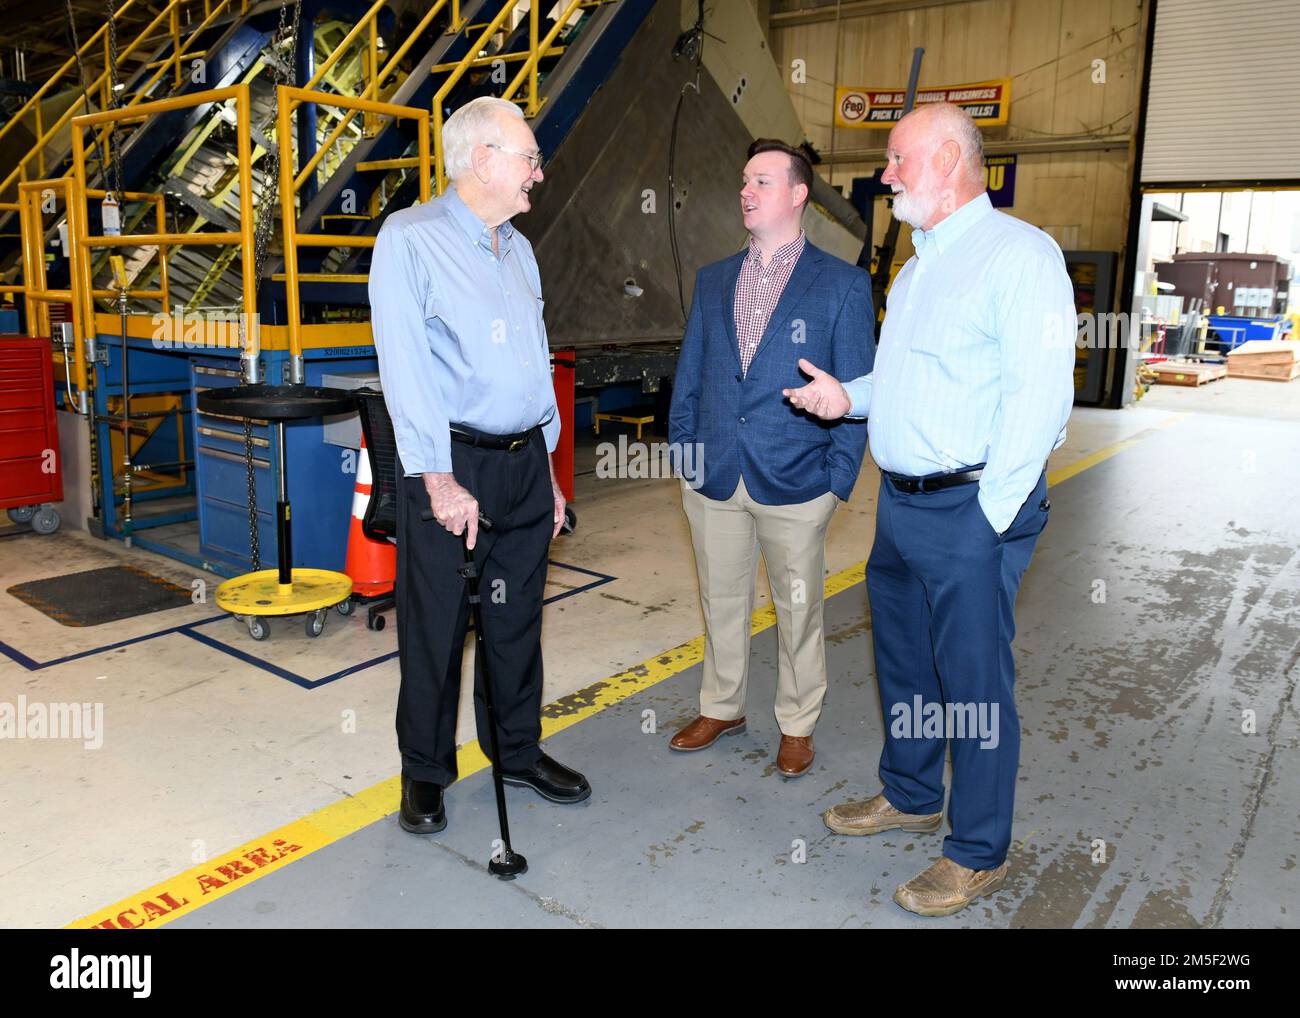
x=854 y=9
x=1015 y=146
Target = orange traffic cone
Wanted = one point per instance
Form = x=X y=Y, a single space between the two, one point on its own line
x=371 y=564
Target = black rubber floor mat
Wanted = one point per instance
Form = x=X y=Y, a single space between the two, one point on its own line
x=98 y=596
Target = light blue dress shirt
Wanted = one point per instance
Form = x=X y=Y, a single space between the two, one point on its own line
x=458 y=331
x=976 y=357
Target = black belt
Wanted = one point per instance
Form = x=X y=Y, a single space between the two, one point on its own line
x=934 y=482
x=481 y=439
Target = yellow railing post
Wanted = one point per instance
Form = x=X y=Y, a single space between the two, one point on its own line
x=40 y=159
x=285 y=104
x=371 y=125
x=176 y=44
x=82 y=292
x=529 y=70
x=101 y=84
x=288 y=99
x=534 y=59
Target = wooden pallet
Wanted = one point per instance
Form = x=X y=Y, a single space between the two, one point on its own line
x=1274 y=361
x=1187 y=372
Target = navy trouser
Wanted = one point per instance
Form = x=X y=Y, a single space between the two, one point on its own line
x=942 y=586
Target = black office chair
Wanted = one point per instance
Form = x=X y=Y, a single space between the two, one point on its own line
x=380 y=521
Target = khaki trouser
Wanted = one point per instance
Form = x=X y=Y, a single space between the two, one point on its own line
x=726 y=535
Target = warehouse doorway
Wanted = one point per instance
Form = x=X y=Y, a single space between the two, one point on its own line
x=1214 y=298
x=1214 y=230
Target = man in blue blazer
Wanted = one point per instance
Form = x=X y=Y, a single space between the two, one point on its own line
x=766 y=475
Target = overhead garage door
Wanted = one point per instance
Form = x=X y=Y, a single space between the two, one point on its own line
x=1224 y=97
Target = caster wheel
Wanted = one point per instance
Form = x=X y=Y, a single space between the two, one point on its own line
x=315 y=622
x=570 y=523
x=345 y=608
x=258 y=627
x=22 y=514
x=46 y=521
x=375 y=622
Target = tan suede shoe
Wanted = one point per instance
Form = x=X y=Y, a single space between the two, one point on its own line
x=871 y=816
x=948 y=887
x=704 y=732
x=795 y=755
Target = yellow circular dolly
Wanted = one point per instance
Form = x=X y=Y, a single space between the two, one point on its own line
x=257 y=596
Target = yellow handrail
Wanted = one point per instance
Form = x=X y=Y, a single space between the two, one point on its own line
x=537 y=51
x=444 y=90
x=287 y=100
x=38 y=295
x=68 y=64
x=371 y=89
x=82 y=288
x=101 y=82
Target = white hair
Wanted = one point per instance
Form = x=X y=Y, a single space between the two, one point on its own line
x=953 y=122
x=478 y=122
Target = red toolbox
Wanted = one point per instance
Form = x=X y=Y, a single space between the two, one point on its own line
x=31 y=471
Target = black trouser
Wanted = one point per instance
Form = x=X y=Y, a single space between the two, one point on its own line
x=514 y=491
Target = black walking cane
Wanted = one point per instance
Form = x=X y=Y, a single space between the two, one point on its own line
x=509 y=863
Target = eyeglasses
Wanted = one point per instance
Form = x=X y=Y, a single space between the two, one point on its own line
x=534 y=158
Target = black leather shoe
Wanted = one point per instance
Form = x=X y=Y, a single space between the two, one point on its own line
x=422 y=810
x=551 y=780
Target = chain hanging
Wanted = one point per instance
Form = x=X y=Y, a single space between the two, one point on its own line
x=114 y=149
x=264 y=226
x=263 y=229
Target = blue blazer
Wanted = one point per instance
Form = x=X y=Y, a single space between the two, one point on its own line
x=741 y=424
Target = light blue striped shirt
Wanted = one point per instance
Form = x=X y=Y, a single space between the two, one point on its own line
x=976 y=357
x=458 y=331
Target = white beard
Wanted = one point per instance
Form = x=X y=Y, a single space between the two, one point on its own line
x=912 y=210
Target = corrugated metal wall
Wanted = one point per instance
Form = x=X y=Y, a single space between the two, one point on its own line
x=1224 y=100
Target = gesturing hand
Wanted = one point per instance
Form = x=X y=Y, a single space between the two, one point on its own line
x=823 y=397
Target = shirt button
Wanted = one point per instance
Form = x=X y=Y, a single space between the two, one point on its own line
x=742 y=420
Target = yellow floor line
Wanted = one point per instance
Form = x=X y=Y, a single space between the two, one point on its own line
x=185 y=892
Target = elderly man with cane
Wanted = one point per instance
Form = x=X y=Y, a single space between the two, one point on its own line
x=456 y=308
x=971 y=389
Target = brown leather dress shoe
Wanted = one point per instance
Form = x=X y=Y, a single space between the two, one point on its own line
x=871 y=816
x=948 y=887
x=795 y=756
x=704 y=732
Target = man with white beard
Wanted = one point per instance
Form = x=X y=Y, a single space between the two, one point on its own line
x=969 y=394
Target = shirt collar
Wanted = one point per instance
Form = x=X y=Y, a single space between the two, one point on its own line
x=477 y=231
x=946 y=232
x=785 y=253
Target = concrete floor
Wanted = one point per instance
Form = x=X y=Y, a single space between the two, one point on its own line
x=1132 y=712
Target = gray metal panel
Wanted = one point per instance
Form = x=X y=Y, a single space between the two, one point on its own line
x=588 y=227
x=1224 y=87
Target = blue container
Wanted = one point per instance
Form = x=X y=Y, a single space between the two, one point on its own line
x=1233 y=330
